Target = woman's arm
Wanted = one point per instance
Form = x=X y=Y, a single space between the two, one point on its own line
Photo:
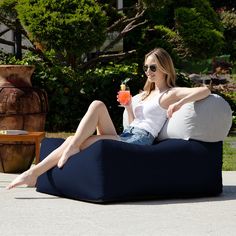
x=180 y=96
x=130 y=113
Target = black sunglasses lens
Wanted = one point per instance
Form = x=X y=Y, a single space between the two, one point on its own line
x=153 y=68
x=145 y=68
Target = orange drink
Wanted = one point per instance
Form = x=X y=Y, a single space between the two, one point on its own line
x=124 y=95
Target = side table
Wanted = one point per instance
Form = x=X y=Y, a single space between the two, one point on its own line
x=35 y=137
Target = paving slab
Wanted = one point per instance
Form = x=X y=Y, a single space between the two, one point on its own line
x=23 y=211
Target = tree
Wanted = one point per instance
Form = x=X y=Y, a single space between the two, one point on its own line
x=198 y=33
x=70 y=28
x=228 y=18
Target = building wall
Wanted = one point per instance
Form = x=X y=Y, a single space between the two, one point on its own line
x=7 y=36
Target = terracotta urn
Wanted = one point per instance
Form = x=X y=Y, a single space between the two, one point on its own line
x=22 y=107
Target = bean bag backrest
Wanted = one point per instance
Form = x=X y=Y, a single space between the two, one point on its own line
x=207 y=120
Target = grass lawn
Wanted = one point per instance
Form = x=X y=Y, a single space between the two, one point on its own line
x=58 y=135
x=229 y=149
x=229 y=153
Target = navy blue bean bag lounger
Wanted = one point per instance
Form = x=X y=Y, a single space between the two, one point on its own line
x=186 y=161
x=114 y=171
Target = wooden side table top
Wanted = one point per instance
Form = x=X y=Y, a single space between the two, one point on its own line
x=22 y=137
x=35 y=137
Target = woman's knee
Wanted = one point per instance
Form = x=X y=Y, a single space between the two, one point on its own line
x=97 y=105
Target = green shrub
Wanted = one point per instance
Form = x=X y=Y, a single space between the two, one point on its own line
x=71 y=28
x=182 y=80
x=103 y=84
x=70 y=92
x=198 y=33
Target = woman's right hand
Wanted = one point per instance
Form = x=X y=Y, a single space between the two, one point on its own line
x=125 y=105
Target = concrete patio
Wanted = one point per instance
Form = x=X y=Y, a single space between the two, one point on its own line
x=27 y=212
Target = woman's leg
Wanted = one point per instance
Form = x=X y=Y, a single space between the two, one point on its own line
x=97 y=117
x=30 y=176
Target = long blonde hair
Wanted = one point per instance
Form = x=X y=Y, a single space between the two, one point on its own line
x=165 y=65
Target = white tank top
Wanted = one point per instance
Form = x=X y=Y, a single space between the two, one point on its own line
x=149 y=115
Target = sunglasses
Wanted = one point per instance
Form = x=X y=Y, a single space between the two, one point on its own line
x=153 y=68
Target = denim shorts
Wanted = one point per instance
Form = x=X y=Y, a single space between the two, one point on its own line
x=137 y=136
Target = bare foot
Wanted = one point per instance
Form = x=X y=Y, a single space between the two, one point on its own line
x=26 y=178
x=71 y=150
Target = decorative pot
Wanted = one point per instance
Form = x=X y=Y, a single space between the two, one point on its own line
x=22 y=107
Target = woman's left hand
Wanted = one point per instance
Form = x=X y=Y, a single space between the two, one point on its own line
x=173 y=108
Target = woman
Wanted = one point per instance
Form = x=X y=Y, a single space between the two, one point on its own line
x=159 y=100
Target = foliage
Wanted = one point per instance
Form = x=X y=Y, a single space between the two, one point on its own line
x=7 y=10
x=182 y=80
x=187 y=29
x=109 y=7
x=158 y=36
x=69 y=27
x=158 y=12
x=69 y=30
x=55 y=81
x=70 y=92
x=170 y=40
x=228 y=19
x=75 y=28
x=156 y=3
x=205 y=9
x=103 y=83
x=196 y=66
x=198 y=33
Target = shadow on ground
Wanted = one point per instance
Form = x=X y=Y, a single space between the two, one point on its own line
x=229 y=193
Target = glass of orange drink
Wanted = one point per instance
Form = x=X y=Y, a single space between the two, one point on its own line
x=124 y=95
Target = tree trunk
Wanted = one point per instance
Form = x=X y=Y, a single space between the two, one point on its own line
x=18 y=40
